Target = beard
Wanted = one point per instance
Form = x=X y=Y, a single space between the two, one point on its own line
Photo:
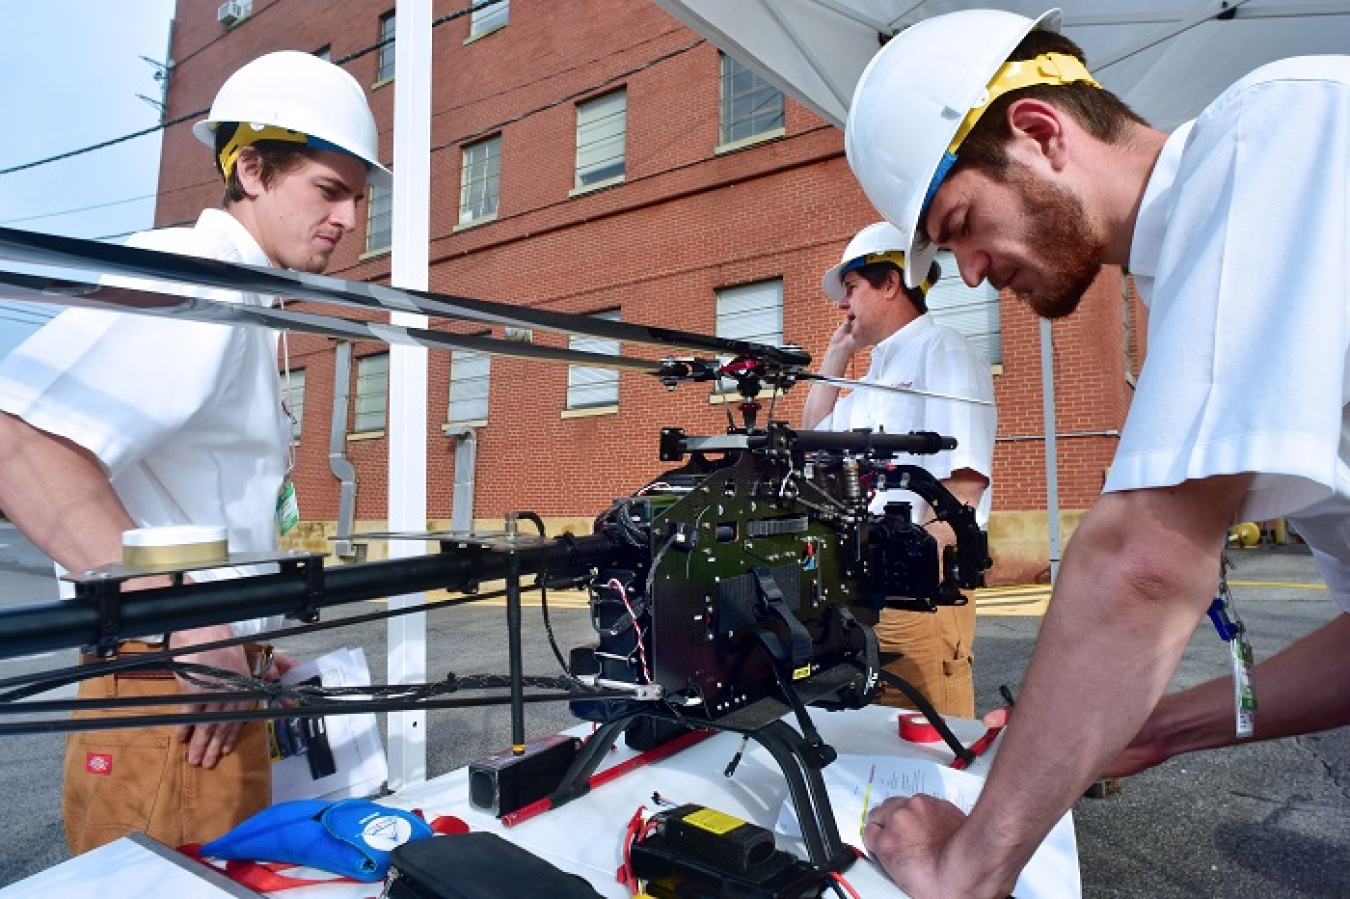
x=1072 y=251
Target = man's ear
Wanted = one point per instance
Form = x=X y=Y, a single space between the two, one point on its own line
x=248 y=169
x=1038 y=130
x=895 y=284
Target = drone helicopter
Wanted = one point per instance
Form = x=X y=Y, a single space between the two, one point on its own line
x=734 y=589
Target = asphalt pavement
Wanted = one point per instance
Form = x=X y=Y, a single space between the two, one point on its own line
x=1269 y=819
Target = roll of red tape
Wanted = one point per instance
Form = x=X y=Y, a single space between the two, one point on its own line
x=917 y=729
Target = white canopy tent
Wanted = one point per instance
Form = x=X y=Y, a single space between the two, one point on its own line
x=1166 y=58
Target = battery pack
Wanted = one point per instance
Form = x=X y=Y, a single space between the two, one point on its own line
x=697 y=852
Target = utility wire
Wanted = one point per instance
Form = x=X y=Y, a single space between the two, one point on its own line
x=202 y=112
x=49 y=215
x=572 y=96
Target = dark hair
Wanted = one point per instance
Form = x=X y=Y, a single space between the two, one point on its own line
x=876 y=274
x=278 y=158
x=1101 y=113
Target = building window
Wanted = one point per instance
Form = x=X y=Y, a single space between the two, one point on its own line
x=480 y=174
x=751 y=106
x=587 y=386
x=470 y=373
x=384 y=66
x=973 y=311
x=372 y=393
x=601 y=127
x=489 y=17
x=293 y=396
x=379 y=219
x=750 y=312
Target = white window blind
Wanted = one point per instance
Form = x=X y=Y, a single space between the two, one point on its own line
x=372 y=392
x=384 y=65
x=972 y=311
x=750 y=105
x=489 y=17
x=480 y=176
x=601 y=138
x=470 y=377
x=379 y=219
x=750 y=312
x=588 y=387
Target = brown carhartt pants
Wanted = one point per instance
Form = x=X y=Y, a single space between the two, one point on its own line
x=937 y=656
x=138 y=780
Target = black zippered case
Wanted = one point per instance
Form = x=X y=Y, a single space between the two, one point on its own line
x=477 y=865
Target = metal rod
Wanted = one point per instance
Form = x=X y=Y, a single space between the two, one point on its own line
x=42 y=627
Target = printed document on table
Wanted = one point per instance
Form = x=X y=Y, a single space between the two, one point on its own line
x=335 y=756
x=858 y=783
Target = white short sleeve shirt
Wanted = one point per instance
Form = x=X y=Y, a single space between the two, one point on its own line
x=927 y=356
x=186 y=417
x=1242 y=252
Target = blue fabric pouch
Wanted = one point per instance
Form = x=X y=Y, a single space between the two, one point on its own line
x=352 y=837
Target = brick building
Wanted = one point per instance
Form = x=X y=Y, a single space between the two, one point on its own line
x=598 y=157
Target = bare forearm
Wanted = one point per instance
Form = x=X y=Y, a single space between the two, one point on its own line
x=1202 y=717
x=968 y=486
x=59 y=496
x=1133 y=585
x=820 y=401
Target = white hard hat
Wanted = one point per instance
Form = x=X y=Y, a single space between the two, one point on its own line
x=914 y=97
x=299 y=97
x=881 y=242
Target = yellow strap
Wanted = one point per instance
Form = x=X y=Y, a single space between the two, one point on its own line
x=898 y=258
x=247 y=134
x=1048 y=68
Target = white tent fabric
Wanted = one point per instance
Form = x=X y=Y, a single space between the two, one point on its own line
x=1166 y=58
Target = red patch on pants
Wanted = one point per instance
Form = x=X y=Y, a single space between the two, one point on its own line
x=98 y=763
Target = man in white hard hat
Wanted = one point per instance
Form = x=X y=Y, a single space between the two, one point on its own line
x=1236 y=229
x=110 y=422
x=911 y=350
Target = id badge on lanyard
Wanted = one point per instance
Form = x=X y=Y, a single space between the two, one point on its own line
x=288 y=509
x=1233 y=632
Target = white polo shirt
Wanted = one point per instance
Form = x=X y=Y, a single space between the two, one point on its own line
x=927 y=356
x=186 y=417
x=1242 y=252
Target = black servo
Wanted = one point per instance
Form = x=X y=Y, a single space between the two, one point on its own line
x=694 y=852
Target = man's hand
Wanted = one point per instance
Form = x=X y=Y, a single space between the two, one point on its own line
x=909 y=837
x=844 y=342
x=280 y=665
x=210 y=741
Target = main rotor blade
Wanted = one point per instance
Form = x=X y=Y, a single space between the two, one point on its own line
x=32 y=288
x=54 y=250
x=872 y=385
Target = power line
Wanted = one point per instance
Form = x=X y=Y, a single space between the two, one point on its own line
x=572 y=96
x=179 y=224
x=202 y=112
x=107 y=143
x=10 y=312
x=48 y=215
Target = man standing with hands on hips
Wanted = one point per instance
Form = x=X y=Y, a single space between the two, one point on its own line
x=984 y=132
x=110 y=422
x=953 y=395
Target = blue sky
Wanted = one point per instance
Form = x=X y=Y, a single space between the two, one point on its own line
x=71 y=71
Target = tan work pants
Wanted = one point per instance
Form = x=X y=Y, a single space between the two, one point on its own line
x=138 y=780
x=937 y=656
